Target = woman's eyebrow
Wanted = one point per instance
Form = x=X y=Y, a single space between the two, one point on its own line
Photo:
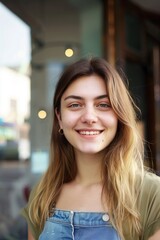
x=102 y=96
x=74 y=97
x=81 y=98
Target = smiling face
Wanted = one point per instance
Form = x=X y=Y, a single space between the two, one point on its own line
x=86 y=117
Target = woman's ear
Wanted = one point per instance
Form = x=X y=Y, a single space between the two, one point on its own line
x=58 y=115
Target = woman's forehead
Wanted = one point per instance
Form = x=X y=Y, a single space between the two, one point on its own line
x=87 y=85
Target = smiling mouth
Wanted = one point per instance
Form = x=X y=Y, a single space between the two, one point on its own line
x=89 y=132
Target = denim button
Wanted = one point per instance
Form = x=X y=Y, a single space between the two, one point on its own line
x=105 y=217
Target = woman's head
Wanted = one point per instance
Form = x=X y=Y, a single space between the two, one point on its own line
x=88 y=121
x=117 y=92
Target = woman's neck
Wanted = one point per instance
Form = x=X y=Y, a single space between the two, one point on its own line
x=87 y=186
x=88 y=169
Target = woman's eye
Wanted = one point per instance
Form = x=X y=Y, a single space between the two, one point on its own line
x=74 y=105
x=104 y=105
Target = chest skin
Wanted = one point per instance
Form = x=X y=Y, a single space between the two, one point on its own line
x=81 y=198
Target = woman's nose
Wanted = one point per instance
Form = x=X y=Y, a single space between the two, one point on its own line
x=89 y=116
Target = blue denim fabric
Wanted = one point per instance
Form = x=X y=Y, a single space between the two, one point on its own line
x=69 y=225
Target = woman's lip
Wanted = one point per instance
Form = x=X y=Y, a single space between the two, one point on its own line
x=89 y=132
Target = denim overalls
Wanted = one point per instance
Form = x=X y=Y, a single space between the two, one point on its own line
x=69 y=225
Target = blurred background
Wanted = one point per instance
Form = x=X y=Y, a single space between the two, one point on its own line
x=38 y=39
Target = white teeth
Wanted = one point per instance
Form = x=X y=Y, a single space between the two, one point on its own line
x=89 y=132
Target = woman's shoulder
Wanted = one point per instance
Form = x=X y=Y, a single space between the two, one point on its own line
x=151 y=176
x=149 y=187
x=149 y=203
x=151 y=183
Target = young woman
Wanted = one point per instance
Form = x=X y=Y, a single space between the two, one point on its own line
x=95 y=187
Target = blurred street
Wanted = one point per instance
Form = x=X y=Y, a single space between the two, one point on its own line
x=13 y=183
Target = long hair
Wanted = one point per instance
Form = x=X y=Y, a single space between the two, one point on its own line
x=123 y=160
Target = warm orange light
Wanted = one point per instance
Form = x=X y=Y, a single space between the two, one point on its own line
x=69 y=52
x=42 y=114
